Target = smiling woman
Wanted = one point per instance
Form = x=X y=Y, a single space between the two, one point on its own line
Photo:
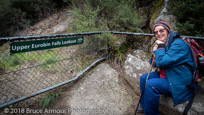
x=161 y=31
x=172 y=77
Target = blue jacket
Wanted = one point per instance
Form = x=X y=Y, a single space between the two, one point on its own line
x=172 y=58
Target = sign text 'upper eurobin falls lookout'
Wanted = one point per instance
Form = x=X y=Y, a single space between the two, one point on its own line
x=34 y=45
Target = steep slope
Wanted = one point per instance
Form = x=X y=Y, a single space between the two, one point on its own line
x=54 y=24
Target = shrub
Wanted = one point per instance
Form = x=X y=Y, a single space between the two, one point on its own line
x=190 y=16
x=8 y=61
x=105 y=15
x=50 y=97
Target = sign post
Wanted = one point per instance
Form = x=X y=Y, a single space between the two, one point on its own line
x=34 y=45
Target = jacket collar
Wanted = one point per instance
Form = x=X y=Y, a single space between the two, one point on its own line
x=172 y=36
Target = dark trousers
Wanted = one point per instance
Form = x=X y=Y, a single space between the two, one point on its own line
x=153 y=88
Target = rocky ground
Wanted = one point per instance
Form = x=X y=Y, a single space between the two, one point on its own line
x=98 y=92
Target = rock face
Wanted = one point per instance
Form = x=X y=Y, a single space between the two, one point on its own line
x=166 y=17
x=99 y=94
x=137 y=64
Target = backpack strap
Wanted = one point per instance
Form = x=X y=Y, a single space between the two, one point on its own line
x=188 y=106
x=191 y=87
x=194 y=72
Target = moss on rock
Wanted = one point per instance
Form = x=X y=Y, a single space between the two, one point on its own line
x=156 y=10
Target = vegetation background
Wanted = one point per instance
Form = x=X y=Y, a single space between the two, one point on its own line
x=101 y=15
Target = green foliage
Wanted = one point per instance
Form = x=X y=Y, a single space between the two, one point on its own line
x=156 y=10
x=117 y=54
x=142 y=3
x=186 y=27
x=8 y=61
x=47 y=59
x=97 y=15
x=105 y=15
x=49 y=64
x=84 y=21
x=190 y=16
x=4 y=5
x=126 y=19
x=49 y=98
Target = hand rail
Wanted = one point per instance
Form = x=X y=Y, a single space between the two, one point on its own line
x=87 y=33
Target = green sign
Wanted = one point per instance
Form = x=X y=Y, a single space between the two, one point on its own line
x=26 y=46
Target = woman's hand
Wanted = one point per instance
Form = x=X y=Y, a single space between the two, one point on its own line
x=156 y=44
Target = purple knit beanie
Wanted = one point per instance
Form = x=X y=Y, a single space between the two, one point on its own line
x=161 y=23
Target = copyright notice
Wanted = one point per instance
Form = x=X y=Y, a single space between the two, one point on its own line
x=55 y=111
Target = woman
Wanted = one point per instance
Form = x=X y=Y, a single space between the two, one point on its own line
x=171 y=56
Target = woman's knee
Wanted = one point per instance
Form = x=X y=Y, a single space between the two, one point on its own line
x=151 y=75
x=149 y=86
x=143 y=77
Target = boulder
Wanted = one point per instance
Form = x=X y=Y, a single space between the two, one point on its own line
x=167 y=108
x=171 y=20
x=135 y=65
x=99 y=94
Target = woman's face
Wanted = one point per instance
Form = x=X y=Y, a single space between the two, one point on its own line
x=160 y=33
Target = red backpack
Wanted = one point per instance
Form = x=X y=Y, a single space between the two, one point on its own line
x=198 y=57
x=197 y=53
